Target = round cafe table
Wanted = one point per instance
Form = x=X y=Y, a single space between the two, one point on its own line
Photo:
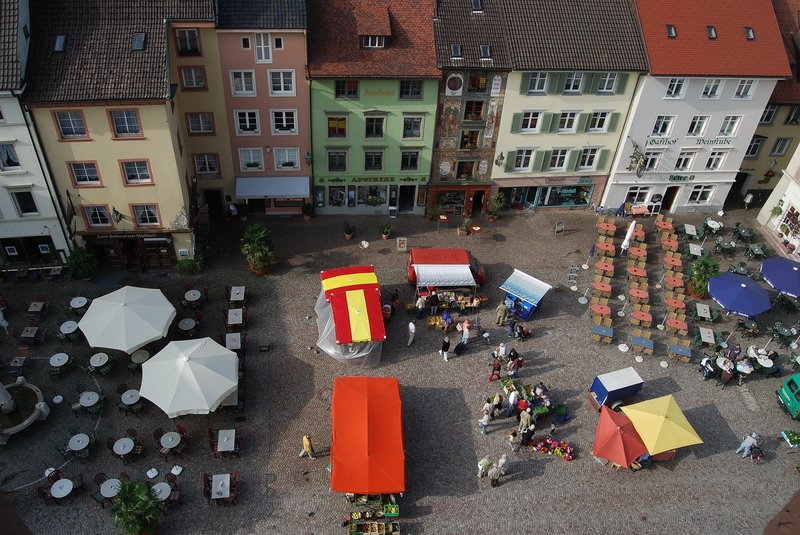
x=140 y=356
x=713 y=225
x=603 y=310
x=78 y=442
x=678 y=325
x=601 y=287
x=89 y=398
x=638 y=294
x=161 y=491
x=724 y=363
x=186 y=324
x=78 y=303
x=192 y=295
x=98 y=360
x=636 y=272
x=123 y=446
x=674 y=262
x=641 y=315
x=170 y=440
x=69 y=327
x=677 y=304
x=673 y=282
x=58 y=360
x=61 y=488
x=663 y=225
x=764 y=362
x=129 y=397
x=604 y=266
x=110 y=488
x=638 y=252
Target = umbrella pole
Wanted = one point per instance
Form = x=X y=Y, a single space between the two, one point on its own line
x=765 y=345
x=621 y=313
x=794 y=344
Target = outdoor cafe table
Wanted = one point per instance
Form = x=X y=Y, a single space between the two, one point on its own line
x=226 y=440
x=237 y=294
x=186 y=324
x=664 y=225
x=703 y=311
x=642 y=316
x=636 y=272
x=690 y=230
x=638 y=252
x=170 y=439
x=607 y=228
x=754 y=250
x=677 y=325
x=764 y=362
x=235 y=316
x=669 y=244
x=123 y=446
x=638 y=234
x=713 y=225
x=89 y=398
x=744 y=233
x=220 y=486
x=604 y=266
x=98 y=360
x=602 y=330
x=58 y=360
x=140 y=356
x=676 y=349
x=192 y=296
x=233 y=341
x=673 y=282
x=69 y=327
x=110 y=488
x=674 y=262
x=639 y=294
x=695 y=249
x=78 y=442
x=129 y=397
x=707 y=336
x=36 y=307
x=78 y=303
x=641 y=342
x=61 y=488
x=606 y=248
x=724 y=363
x=29 y=333
x=603 y=310
x=677 y=304
x=740 y=269
x=161 y=491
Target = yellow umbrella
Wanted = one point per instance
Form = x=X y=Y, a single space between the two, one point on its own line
x=661 y=424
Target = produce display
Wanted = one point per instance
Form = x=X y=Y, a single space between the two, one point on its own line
x=792 y=438
x=360 y=528
x=559 y=448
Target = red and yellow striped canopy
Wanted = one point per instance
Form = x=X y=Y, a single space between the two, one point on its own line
x=355 y=298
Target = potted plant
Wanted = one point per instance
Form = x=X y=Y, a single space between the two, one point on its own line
x=386 y=229
x=702 y=269
x=257 y=249
x=349 y=229
x=135 y=509
x=82 y=263
x=190 y=266
x=434 y=211
x=308 y=211
x=463 y=228
x=243 y=209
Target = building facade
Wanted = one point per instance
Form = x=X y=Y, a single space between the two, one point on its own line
x=780 y=214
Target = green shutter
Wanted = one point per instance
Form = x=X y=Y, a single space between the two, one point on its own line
x=525 y=84
x=555 y=82
x=545 y=162
x=538 y=158
x=511 y=157
x=516 y=123
x=572 y=160
x=600 y=160
x=592 y=82
x=613 y=120
x=554 y=123
x=622 y=82
x=545 y=120
x=583 y=120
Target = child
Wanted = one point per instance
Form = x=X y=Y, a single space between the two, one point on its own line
x=484 y=421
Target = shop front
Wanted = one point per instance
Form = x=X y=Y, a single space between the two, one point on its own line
x=388 y=195
x=453 y=198
x=552 y=192
x=674 y=193
x=139 y=250
x=28 y=252
x=274 y=194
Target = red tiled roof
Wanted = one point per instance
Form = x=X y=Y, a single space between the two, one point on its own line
x=692 y=53
x=788 y=91
x=335 y=48
x=373 y=20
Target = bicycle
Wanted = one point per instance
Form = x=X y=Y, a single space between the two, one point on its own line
x=601 y=211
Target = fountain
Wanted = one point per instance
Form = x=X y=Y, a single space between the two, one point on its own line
x=21 y=404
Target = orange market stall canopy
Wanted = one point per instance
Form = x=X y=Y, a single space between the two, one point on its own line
x=349 y=316
x=367 y=453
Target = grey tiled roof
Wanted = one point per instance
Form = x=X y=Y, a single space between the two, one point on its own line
x=455 y=23
x=261 y=14
x=9 y=66
x=98 y=61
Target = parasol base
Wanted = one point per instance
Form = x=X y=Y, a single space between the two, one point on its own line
x=624 y=348
x=664 y=364
x=582 y=300
x=639 y=358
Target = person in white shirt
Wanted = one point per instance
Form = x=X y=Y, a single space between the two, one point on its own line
x=513 y=398
x=747 y=444
x=412 y=330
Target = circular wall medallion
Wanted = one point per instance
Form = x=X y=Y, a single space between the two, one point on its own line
x=454 y=83
x=483 y=167
x=444 y=168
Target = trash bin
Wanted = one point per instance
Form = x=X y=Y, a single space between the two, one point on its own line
x=44 y=410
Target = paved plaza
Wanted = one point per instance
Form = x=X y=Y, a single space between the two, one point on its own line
x=707 y=489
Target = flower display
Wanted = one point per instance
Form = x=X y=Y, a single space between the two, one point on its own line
x=559 y=448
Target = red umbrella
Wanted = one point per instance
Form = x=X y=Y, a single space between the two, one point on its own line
x=616 y=438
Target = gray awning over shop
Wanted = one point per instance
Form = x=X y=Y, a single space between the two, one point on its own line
x=273 y=187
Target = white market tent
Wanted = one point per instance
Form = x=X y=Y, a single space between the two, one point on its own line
x=444 y=275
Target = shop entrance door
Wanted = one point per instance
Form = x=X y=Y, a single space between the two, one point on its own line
x=405 y=203
x=213 y=199
x=477 y=202
x=669 y=198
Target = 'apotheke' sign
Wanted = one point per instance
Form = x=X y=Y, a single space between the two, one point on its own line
x=667 y=141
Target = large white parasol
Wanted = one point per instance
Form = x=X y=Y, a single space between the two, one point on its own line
x=626 y=243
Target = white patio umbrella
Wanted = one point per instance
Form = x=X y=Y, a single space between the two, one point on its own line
x=190 y=377
x=626 y=243
x=127 y=319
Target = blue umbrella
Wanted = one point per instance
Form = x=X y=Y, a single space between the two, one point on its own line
x=782 y=274
x=739 y=294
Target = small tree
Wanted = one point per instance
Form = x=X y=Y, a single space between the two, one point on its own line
x=82 y=263
x=135 y=510
x=702 y=270
x=257 y=248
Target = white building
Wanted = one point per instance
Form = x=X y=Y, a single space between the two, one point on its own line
x=780 y=214
x=712 y=71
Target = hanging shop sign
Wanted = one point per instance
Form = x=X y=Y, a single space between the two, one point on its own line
x=370 y=179
x=668 y=142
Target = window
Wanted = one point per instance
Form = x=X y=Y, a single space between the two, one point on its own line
x=608 y=82
x=522 y=160
x=247 y=122
x=572 y=84
x=200 y=123
x=281 y=83
x=287 y=158
x=125 y=123
x=284 y=122
x=477 y=6
x=146 y=215
x=754 y=148
x=193 y=77
x=662 y=126
x=558 y=158
x=188 y=42
x=486 y=51
x=409 y=160
x=793 y=116
x=712 y=32
x=672 y=33
x=476 y=82
x=245 y=43
x=473 y=110
x=9 y=161
x=337 y=126
x=263 y=52
x=566 y=121
x=769 y=114
x=469 y=139
x=372 y=41
x=136 y=172
x=781 y=146
x=412 y=127
x=279 y=43
x=371 y=195
x=715 y=160
x=455 y=51
x=251 y=160
x=346 y=88
x=749 y=34
x=61 y=42
x=730 y=124
x=243 y=83
x=712 y=88
x=139 y=39
x=588 y=158
x=337 y=160
x=684 y=161
x=651 y=160
x=637 y=194
x=374 y=127
x=465 y=169
x=537 y=83
x=700 y=194
x=530 y=121
x=24 y=203
x=84 y=173
x=698 y=126
x=675 y=88
x=410 y=89
x=744 y=89
x=598 y=121
x=71 y=125
x=373 y=160
x=97 y=216
x=206 y=164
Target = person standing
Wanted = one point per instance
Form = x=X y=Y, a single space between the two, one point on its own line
x=445 y=347
x=747 y=444
x=497 y=366
x=448 y=320
x=525 y=420
x=513 y=399
x=483 y=466
x=501 y=464
x=484 y=421
x=433 y=301
x=465 y=332
x=421 y=304
x=412 y=330
x=501 y=314
x=748 y=200
x=308 y=447
x=527 y=435
x=489 y=406
x=511 y=325
x=494 y=475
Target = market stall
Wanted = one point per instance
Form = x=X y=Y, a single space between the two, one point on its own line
x=453 y=273
x=349 y=317
x=613 y=387
x=524 y=294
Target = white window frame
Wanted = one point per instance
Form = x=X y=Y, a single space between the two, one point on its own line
x=573 y=83
x=193 y=77
x=279 y=117
x=240 y=79
x=587 y=159
x=100 y=212
x=522 y=159
x=252 y=126
x=697 y=126
x=559 y=158
x=598 y=121
x=187 y=36
x=769 y=113
x=640 y=194
x=745 y=89
x=730 y=126
x=531 y=118
x=569 y=120
x=781 y=146
x=754 y=148
x=373 y=41
x=75 y=119
x=285 y=155
x=414 y=117
x=676 y=88
x=685 y=160
x=203 y=164
x=18 y=207
x=538 y=83
x=652 y=159
x=206 y=122
x=146 y=210
x=73 y=168
x=712 y=88
x=793 y=117
x=251 y=156
x=263 y=48
x=608 y=83
x=663 y=126
x=139 y=168
x=701 y=194
x=129 y=119
x=715 y=160
x=283 y=92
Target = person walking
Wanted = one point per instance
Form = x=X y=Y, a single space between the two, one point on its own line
x=465 y=332
x=748 y=200
x=489 y=406
x=433 y=301
x=501 y=463
x=448 y=320
x=484 y=421
x=513 y=399
x=308 y=447
x=445 y=347
x=501 y=314
x=525 y=420
x=421 y=304
x=511 y=331
x=494 y=474
x=497 y=403
x=412 y=330
x=483 y=466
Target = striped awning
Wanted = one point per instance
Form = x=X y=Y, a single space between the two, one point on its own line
x=355 y=298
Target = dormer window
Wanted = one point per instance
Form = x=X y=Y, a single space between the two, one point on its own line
x=477 y=6
x=455 y=51
x=372 y=41
x=749 y=33
x=672 y=33
x=61 y=42
x=712 y=32
x=486 y=52
x=138 y=40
